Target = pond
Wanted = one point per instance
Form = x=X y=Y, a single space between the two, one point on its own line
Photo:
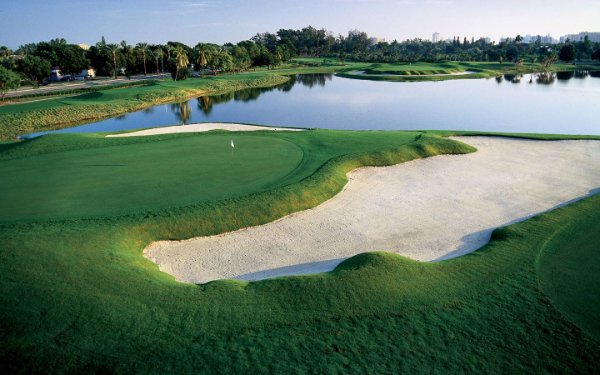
x=563 y=103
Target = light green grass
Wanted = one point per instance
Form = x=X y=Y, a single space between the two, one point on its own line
x=77 y=295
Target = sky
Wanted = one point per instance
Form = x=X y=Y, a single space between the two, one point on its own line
x=221 y=21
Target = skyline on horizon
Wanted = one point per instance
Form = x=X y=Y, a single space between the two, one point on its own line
x=222 y=21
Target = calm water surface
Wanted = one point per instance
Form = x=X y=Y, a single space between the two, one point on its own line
x=567 y=103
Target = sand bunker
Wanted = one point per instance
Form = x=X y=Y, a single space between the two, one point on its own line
x=202 y=127
x=429 y=209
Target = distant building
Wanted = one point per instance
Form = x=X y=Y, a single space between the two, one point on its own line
x=436 y=37
x=84 y=46
x=594 y=37
x=548 y=39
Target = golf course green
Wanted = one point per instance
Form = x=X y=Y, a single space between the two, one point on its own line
x=78 y=296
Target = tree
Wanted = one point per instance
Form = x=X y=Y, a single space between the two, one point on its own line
x=114 y=51
x=223 y=61
x=596 y=55
x=35 y=68
x=143 y=48
x=204 y=54
x=158 y=55
x=5 y=51
x=181 y=63
x=73 y=59
x=9 y=80
x=567 y=53
x=241 y=59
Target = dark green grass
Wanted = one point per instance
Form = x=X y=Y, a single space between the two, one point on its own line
x=77 y=295
x=568 y=267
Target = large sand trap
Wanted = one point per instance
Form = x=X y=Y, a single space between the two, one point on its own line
x=429 y=209
x=202 y=127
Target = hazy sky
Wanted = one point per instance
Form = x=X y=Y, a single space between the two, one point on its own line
x=220 y=21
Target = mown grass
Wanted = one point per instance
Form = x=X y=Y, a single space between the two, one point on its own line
x=79 y=297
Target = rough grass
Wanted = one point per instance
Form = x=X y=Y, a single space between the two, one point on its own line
x=77 y=296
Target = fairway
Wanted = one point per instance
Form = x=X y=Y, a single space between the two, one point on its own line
x=116 y=180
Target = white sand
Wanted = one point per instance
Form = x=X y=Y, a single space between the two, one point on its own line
x=201 y=127
x=429 y=209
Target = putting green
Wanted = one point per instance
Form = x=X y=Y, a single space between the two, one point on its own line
x=136 y=177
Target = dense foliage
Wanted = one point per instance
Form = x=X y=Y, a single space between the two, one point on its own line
x=8 y=81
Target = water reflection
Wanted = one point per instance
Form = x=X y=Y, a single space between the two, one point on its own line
x=183 y=111
x=564 y=76
x=514 y=78
x=326 y=101
x=206 y=103
x=546 y=78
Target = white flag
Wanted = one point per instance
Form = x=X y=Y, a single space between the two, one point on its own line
x=232 y=145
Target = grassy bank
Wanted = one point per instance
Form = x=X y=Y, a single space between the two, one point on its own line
x=79 y=297
x=57 y=113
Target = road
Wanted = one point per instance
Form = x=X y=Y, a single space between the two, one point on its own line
x=80 y=84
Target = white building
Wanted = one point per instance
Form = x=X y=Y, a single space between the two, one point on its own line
x=593 y=37
x=548 y=39
x=436 y=37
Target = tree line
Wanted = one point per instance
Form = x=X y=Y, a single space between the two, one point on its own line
x=33 y=62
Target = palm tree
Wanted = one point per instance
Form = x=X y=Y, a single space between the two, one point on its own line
x=207 y=53
x=143 y=47
x=158 y=54
x=113 y=49
x=126 y=51
x=181 y=60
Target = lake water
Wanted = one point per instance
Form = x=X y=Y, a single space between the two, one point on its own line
x=566 y=103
